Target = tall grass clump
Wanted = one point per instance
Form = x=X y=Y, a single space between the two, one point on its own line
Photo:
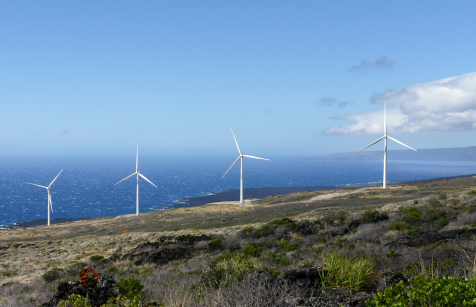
x=228 y=269
x=341 y=271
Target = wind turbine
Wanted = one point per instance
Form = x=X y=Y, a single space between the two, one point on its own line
x=240 y=157
x=385 y=136
x=50 y=203
x=138 y=174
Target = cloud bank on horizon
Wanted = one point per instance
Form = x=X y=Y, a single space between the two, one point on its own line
x=446 y=105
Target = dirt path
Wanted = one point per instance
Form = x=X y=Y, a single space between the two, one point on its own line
x=334 y=195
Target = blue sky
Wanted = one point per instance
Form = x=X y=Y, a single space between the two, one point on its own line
x=298 y=78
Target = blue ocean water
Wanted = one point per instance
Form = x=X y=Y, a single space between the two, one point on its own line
x=86 y=186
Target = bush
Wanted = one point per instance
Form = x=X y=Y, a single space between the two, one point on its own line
x=399 y=226
x=392 y=254
x=339 y=271
x=373 y=216
x=340 y=216
x=442 y=196
x=9 y=273
x=284 y=221
x=441 y=222
x=131 y=288
x=410 y=215
x=215 y=243
x=97 y=257
x=251 y=250
x=120 y=301
x=425 y=291
x=287 y=247
x=52 y=274
x=279 y=259
x=228 y=269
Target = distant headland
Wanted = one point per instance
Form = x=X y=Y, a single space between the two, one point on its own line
x=437 y=154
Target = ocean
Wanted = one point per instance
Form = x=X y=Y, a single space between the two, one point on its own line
x=86 y=186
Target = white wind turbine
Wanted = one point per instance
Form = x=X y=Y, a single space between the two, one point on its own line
x=240 y=157
x=138 y=174
x=385 y=155
x=50 y=203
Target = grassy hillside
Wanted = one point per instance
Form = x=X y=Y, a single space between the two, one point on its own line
x=299 y=249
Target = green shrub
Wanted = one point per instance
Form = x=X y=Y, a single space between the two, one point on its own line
x=216 y=242
x=442 y=196
x=340 y=271
x=284 y=221
x=413 y=231
x=435 y=203
x=113 y=269
x=340 y=216
x=287 y=247
x=97 y=257
x=52 y=274
x=130 y=288
x=251 y=250
x=425 y=291
x=273 y=272
x=392 y=254
x=279 y=259
x=120 y=301
x=227 y=269
x=472 y=192
x=410 y=215
x=441 y=222
x=9 y=273
x=399 y=226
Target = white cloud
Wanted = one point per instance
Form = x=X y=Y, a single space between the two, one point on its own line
x=447 y=104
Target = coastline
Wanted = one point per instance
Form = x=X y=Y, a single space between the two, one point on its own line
x=234 y=195
x=40 y=222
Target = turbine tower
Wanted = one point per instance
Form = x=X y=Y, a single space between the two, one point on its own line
x=138 y=174
x=241 y=157
x=50 y=203
x=385 y=136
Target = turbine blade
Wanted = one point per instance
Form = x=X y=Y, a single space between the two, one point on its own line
x=37 y=185
x=385 y=119
x=256 y=157
x=401 y=143
x=147 y=179
x=371 y=144
x=55 y=178
x=137 y=158
x=236 y=141
x=231 y=166
x=126 y=178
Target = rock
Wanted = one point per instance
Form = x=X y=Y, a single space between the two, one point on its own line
x=396 y=278
x=311 y=275
x=164 y=250
x=97 y=287
x=341 y=297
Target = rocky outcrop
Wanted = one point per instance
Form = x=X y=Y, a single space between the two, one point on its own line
x=162 y=251
x=429 y=237
x=99 y=288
